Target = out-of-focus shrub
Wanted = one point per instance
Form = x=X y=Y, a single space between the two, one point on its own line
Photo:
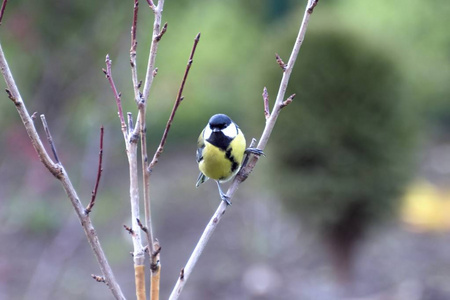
x=343 y=148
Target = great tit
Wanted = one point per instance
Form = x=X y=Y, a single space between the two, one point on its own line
x=220 y=152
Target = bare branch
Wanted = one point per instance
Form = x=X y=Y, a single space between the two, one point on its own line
x=247 y=169
x=59 y=172
x=175 y=106
x=198 y=250
x=133 y=55
x=157 y=10
x=50 y=139
x=117 y=95
x=134 y=25
x=2 y=10
x=265 y=95
x=146 y=178
x=99 y=174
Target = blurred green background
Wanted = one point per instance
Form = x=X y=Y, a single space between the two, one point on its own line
x=351 y=199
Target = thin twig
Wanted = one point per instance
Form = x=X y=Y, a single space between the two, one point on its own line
x=161 y=33
x=151 y=4
x=117 y=95
x=10 y=96
x=99 y=174
x=287 y=101
x=265 y=95
x=129 y=229
x=280 y=62
x=134 y=25
x=58 y=171
x=246 y=170
x=145 y=230
x=2 y=10
x=133 y=55
x=50 y=139
x=98 y=278
x=175 y=106
x=153 y=48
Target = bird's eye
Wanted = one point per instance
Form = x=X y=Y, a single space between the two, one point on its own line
x=218 y=126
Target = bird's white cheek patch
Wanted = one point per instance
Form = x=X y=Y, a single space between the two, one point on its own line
x=207 y=133
x=230 y=131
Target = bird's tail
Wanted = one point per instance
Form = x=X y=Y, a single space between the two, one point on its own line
x=201 y=178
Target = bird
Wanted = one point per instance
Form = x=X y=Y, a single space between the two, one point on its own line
x=220 y=152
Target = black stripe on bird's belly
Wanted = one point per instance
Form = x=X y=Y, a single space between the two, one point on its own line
x=234 y=164
x=219 y=140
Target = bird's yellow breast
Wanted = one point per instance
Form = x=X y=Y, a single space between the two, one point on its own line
x=218 y=164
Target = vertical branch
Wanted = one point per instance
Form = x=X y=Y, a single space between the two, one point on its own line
x=246 y=170
x=133 y=135
x=138 y=253
x=59 y=172
x=155 y=269
x=133 y=58
x=157 y=34
x=142 y=106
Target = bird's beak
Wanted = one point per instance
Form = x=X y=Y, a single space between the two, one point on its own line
x=215 y=130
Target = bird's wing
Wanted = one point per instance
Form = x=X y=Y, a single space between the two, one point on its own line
x=200 y=147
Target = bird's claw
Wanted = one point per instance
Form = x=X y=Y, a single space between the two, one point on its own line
x=254 y=151
x=226 y=199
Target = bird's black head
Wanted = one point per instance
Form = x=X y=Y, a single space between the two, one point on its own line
x=219 y=122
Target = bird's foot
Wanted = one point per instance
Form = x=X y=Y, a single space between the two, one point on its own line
x=225 y=198
x=254 y=151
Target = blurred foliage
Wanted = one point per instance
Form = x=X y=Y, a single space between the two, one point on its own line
x=414 y=35
x=56 y=52
x=345 y=143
